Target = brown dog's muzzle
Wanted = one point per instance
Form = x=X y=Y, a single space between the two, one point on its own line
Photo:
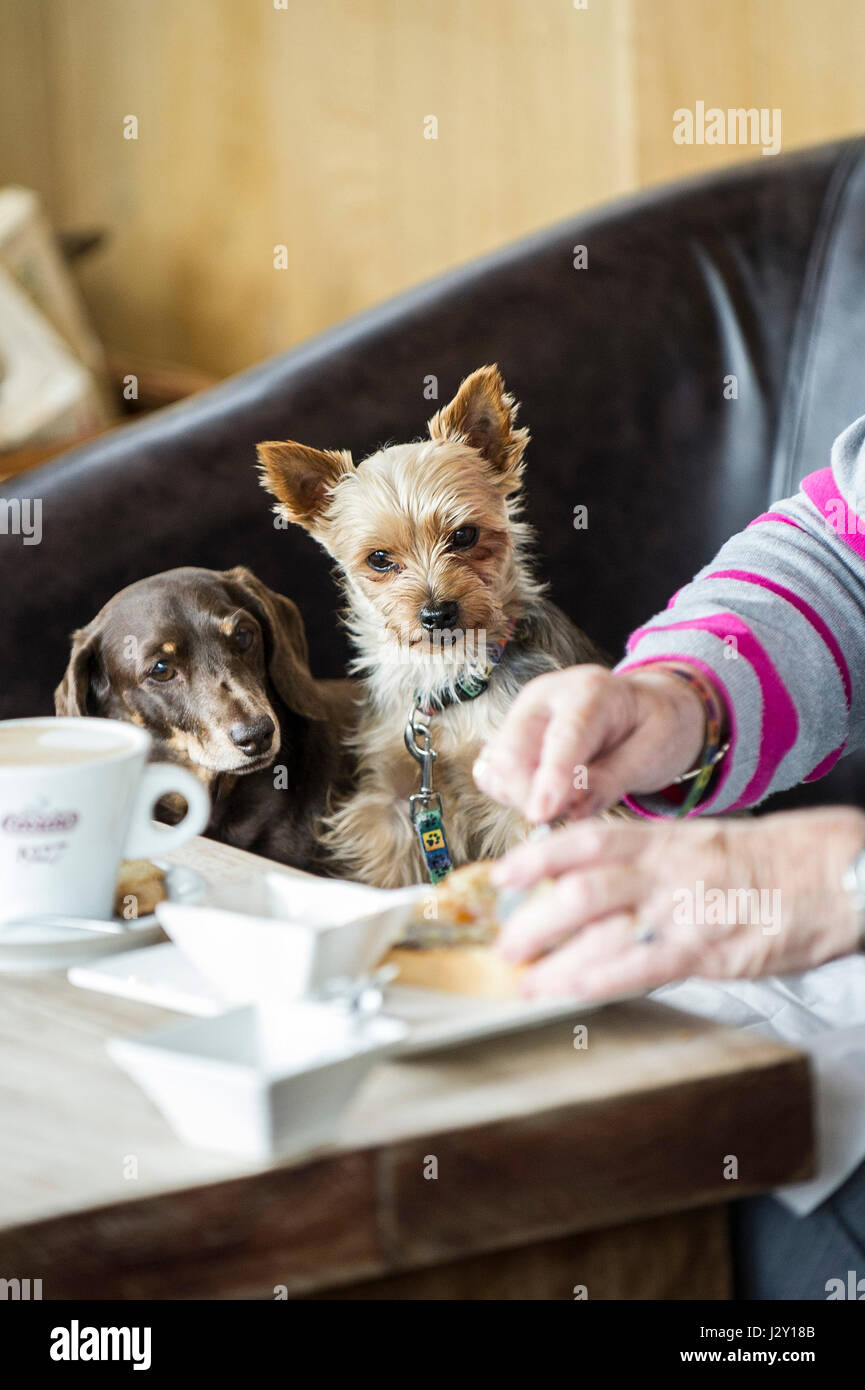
x=254 y=739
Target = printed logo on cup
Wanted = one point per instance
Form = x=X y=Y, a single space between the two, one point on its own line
x=37 y=825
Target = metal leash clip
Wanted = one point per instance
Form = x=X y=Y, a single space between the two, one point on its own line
x=425 y=806
x=417 y=729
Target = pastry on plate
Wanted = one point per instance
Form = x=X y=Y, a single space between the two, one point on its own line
x=449 y=945
x=141 y=881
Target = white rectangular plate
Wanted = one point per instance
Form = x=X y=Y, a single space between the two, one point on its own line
x=162 y=975
x=437 y=1020
x=159 y=975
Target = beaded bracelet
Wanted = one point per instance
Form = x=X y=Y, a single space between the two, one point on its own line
x=713 y=749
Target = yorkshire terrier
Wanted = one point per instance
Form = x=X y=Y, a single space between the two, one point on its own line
x=447 y=618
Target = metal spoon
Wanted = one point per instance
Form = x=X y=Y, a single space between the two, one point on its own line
x=512 y=898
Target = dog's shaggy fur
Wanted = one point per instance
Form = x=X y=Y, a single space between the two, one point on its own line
x=434 y=559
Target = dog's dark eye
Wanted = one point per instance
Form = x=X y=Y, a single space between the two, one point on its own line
x=161 y=671
x=464 y=538
x=379 y=560
x=244 y=637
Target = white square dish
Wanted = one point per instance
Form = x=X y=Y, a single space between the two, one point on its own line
x=258 y=1083
x=283 y=938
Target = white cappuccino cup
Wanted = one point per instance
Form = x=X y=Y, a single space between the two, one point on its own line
x=76 y=797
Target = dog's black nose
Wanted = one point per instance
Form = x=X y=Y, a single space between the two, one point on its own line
x=253 y=739
x=439 y=615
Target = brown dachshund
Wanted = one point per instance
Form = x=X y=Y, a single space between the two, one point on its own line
x=214 y=665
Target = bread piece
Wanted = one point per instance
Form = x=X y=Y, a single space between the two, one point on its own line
x=475 y=970
x=449 y=946
x=141 y=880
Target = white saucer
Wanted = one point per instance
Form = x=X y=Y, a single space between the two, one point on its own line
x=52 y=948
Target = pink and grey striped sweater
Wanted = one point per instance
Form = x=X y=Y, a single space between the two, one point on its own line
x=777 y=620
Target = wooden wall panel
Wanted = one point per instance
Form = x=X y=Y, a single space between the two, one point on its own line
x=684 y=54
x=815 y=57
x=304 y=126
x=25 y=153
x=795 y=55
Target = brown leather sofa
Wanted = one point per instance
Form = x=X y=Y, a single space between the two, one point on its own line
x=620 y=368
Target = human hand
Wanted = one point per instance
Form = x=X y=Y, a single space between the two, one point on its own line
x=781 y=906
x=629 y=732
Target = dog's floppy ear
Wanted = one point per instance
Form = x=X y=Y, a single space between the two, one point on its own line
x=82 y=688
x=286 y=649
x=301 y=479
x=483 y=415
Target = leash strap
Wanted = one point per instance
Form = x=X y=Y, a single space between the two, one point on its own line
x=425 y=806
x=431 y=833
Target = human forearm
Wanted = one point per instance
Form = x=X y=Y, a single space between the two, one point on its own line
x=777 y=622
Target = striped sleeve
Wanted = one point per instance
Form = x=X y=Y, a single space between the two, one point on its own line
x=777 y=620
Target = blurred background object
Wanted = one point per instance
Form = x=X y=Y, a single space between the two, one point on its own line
x=53 y=387
x=30 y=253
x=57 y=384
x=263 y=170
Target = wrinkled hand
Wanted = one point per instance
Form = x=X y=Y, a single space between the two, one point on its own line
x=612 y=880
x=633 y=732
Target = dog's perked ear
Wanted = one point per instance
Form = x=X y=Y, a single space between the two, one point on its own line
x=483 y=414
x=301 y=479
x=83 y=686
x=286 y=650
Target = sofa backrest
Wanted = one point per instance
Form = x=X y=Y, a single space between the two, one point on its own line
x=697 y=367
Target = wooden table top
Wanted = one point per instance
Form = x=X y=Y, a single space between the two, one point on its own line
x=532 y=1138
